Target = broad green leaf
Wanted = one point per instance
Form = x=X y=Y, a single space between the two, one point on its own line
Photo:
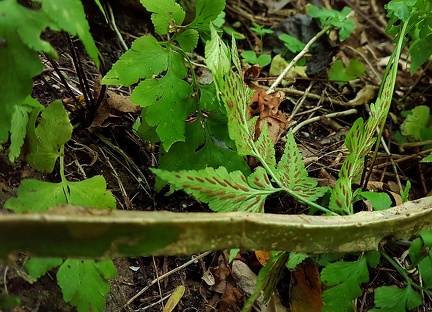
x=341 y=74
x=417 y=251
x=293 y=174
x=223 y=191
x=345 y=277
x=53 y=131
x=198 y=152
x=84 y=283
x=188 y=39
x=427 y=238
x=206 y=12
x=334 y=18
x=292 y=43
x=418 y=118
x=373 y=258
x=420 y=50
x=38 y=196
x=19 y=123
x=36 y=267
x=295 y=258
x=69 y=15
x=167 y=106
x=379 y=200
x=29 y=32
x=217 y=55
x=393 y=299
x=19 y=43
x=145 y=58
x=165 y=13
x=9 y=302
x=249 y=56
x=400 y=8
x=425 y=267
x=91 y=193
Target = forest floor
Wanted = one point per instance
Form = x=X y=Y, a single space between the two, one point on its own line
x=108 y=146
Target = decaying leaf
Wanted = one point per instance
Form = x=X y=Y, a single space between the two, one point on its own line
x=225 y=285
x=113 y=105
x=266 y=106
x=306 y=288
x=365 y=95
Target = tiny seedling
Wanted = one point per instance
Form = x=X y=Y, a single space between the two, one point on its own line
x=252 y=58
x=291 y=43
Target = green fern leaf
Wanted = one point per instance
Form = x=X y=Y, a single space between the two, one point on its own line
x=265 y=148
x=293 y=174
x=224 y=191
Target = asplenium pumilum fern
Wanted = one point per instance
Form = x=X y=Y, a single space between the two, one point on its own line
x=360 y=139
x=233 y=191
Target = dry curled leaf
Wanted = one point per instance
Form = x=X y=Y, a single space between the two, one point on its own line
x=266 y=106
x=113 y=105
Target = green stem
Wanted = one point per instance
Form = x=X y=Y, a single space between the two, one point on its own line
x=396 y=266
x=404 y=274
x=390 y=70
x=285 y=189
x=62 y=172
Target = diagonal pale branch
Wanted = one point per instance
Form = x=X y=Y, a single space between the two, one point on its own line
x=80 y=232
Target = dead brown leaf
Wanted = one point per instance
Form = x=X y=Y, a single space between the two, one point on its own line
x=306 y=288
x=113 y=105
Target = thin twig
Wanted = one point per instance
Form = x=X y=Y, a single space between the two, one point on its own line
x=300 y=103
x=126 y=199
x=301 y=54
x=194 y=259
x=351 y=111
x=112 y=20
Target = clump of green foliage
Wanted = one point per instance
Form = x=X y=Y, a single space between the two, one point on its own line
x=212 y=145
x=84 y=283
x=161 y=69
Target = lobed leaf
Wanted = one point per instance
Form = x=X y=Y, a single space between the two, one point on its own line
x=167 y=106
x=36 y=267
x=166 y=14
x=264 y=147
x=393 y=299
x=199 y=151
x=217 y=55
x=345 y=277
x=206 y=12
x=19 y=43
x=224 y=191
x=38 y=196
x=69 y=15
x=145 y=58
x=84 y=283
x=53 y=131
x=188 y=39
